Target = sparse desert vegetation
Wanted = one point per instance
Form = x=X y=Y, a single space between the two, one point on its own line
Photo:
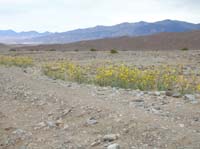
x=162 y=78
x=19 y=61
x=151 y=78
x=93 y=49
x=113 y=51
x=184 y=49
x=82 y=75
x=65 y=71
x=121 y=96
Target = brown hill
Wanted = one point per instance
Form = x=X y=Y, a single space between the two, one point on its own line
x=4 y=47
x=162 y=41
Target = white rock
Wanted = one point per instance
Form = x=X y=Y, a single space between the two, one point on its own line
x=113 y=146
x=40 y=125
x=51 y=123
x=176 y=95
x=181 y=125
x=59 y=123
x=157 y=93
x=191 y=98
x=97 y=142
x=92 y=121
x=66 y=127
x=22 y=134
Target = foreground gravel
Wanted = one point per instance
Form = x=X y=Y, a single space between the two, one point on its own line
x=40 y=113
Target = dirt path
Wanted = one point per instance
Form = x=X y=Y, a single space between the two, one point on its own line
x=39 y=113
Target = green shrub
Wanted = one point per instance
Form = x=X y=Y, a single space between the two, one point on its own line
x=184 y=49
x=93 y=49
x=113 y=51
x=12 y=49
x=52 y=50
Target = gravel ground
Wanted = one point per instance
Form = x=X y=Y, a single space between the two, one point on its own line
x=40 y=113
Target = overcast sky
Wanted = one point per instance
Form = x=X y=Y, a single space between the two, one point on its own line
x=64 y=15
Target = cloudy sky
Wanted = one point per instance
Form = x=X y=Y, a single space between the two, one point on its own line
x=63 y=15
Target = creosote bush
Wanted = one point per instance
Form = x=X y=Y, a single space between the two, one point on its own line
x=13 y=49
x=93 y=49
x=184 y=49
x=52 y=50
x=113 y=51
x=20 y=61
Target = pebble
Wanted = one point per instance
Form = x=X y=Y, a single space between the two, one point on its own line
x=51 y=124
x=113 y=146
x=65 y=127
x=97 y=142
x=110 y=137
x=156 y=93
x=40 y=125
x=176 y=95
x=155 y=111
x=59 y=123
x=138 y=100
x=181 y=125
x=92 y=121
x=191 y=98
x=18 y=131
x=20 y=134
x=168 y=93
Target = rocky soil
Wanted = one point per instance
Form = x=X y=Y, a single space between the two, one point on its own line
x=40 y=113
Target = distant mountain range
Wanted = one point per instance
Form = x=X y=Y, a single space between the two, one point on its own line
x=98 y=32
x=160 y=41
x=10 y=36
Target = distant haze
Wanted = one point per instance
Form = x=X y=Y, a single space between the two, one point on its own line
x=64 y=15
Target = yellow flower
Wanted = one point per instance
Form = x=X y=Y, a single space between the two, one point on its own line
x=198 y=87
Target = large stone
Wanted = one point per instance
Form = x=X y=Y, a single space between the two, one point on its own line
x=113 y=146
x=176 y=95
x=191 y=98
x=17 y=135
x=168 y=93
x=110 y=137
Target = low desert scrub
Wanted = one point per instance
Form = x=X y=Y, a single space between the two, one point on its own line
x=184 y=49
x=65 y=71
x=51 y=50
x=13 y=49
x=113 y=51
x=19 y=61
x=93 y=49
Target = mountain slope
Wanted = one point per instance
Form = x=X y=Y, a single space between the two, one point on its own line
x=10 y=36
x=124 y=29
x=161 y=41
x=98 y=32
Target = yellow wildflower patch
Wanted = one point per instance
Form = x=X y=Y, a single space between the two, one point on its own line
x=64 y=71
x=20 y=61
x=122 y=76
